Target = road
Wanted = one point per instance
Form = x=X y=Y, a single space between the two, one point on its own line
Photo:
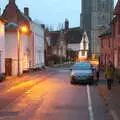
x=48 y=95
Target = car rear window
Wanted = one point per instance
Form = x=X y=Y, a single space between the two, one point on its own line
x=82 y=66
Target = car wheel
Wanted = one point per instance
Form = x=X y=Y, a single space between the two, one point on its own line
x=72 y=82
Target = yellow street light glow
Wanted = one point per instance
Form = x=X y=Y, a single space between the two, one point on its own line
x=1 y=29
x=24 y=29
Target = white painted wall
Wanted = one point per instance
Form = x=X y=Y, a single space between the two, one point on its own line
x=84 y=51
x=11 y=42
x=74 y=46
x=82 y=42
x=2 y=47
x=11 y=50
x=25 y=52
x=38 y=38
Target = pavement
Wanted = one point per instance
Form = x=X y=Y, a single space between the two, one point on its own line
x=111 y=97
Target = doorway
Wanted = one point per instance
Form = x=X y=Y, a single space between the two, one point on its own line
x=8 y=66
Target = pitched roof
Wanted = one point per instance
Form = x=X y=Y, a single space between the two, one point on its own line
x=117 y=8
x=12 y=12
x=5 y=21
x=74 y=35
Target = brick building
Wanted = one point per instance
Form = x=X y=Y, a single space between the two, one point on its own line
x=110 y=41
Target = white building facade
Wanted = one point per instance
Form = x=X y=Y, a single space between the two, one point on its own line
x=11 y=53
x=38 y=45
x=2 y=47
x=74 y=46
x=84 y=47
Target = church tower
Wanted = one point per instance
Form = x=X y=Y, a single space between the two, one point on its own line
x=95 y=14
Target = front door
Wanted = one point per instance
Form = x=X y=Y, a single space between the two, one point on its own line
x=8 y=66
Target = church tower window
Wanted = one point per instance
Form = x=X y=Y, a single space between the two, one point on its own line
x=101 y=5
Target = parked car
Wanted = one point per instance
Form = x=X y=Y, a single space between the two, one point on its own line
x=82 y=72
x=2 y=77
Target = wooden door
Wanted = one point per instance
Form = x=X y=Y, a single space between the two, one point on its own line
x=8 y=66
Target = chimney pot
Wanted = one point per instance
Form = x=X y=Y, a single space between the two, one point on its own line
x=26 y=11
x=66 y=24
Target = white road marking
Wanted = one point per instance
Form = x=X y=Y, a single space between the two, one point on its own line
x=90 y=108
x=114 y=115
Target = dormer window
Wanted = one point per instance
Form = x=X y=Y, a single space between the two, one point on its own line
x=83 y=53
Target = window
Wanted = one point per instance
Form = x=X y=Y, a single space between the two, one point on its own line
x=119 y=26
x=101 y=19
x=101 y=5
x=109 y=41
x=84 y=45
x=83 y=53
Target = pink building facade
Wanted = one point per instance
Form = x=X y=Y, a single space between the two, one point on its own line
x=110 y=41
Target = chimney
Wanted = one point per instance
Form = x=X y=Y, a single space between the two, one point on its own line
x=43 y=26
x=11 y=1
x=26 y=11
x=66 y=24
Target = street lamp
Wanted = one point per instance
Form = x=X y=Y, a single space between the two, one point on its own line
x=21 y=29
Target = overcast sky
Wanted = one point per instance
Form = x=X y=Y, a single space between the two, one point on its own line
x=51 y=12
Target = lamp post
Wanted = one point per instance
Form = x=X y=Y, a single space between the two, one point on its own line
x=21 y=29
